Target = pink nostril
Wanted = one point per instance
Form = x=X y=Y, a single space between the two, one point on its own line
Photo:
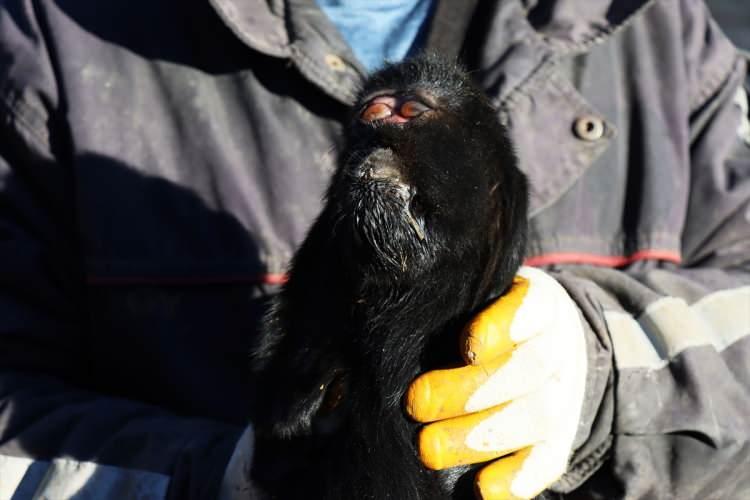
x=379 y=108
x=412 y=108
x=390 y=109
x=376 y=111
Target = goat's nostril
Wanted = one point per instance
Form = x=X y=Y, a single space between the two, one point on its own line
x=376 y=111
x=392 y=109
x=413 y=108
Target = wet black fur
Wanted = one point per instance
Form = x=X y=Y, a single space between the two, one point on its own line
x=369 y=305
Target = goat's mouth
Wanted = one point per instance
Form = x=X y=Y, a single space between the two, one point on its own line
x=383 y=209
x=381 y=186
x=411 y=213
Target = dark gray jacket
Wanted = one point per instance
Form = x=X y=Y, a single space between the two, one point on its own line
x=160 y=161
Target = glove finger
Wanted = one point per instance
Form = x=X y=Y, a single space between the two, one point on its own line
x=443 y=444
x=549 y=418
x=488 y=335
x=541 y=465
x=530 y=307
x=495 y=481
x=481 y=436
x=441 y=394
x=523 y=474
x=527 y=369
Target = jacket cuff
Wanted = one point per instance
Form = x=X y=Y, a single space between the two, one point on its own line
x=594 y=436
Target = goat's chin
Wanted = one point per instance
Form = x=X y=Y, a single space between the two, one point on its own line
x=386 y=234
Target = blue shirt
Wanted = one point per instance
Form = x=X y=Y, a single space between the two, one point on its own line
x=379 y=30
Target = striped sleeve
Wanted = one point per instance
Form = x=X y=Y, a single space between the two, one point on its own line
x=668 y=397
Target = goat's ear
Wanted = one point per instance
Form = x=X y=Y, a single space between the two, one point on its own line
x=300 y=359
x=299 y=392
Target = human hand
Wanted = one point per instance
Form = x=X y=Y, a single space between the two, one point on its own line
x=519 y=397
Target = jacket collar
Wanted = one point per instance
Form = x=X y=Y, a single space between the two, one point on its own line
x=258 y=23
x=298 y=30
x=563 y=24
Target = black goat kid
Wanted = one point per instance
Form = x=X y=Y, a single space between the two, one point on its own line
x=424 y=224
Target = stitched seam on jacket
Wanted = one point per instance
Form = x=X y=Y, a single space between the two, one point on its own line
x=17 y=113
x=509 y=101
x=582 y=470
x=715 y=79
x=572 y=47
x=651 y=237
x=234 y=24
x=312 y=67
x=560 y=49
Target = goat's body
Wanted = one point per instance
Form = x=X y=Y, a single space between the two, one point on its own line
x=380 y=289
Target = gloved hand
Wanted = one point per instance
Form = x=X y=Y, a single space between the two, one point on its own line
x=519 y=397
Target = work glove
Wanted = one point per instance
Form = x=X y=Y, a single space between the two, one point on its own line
x=518 y=398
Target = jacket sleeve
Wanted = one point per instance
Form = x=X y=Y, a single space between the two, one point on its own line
x=666 y=412
x=58 y=440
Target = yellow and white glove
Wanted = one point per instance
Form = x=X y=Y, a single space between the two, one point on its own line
x=519 y=397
